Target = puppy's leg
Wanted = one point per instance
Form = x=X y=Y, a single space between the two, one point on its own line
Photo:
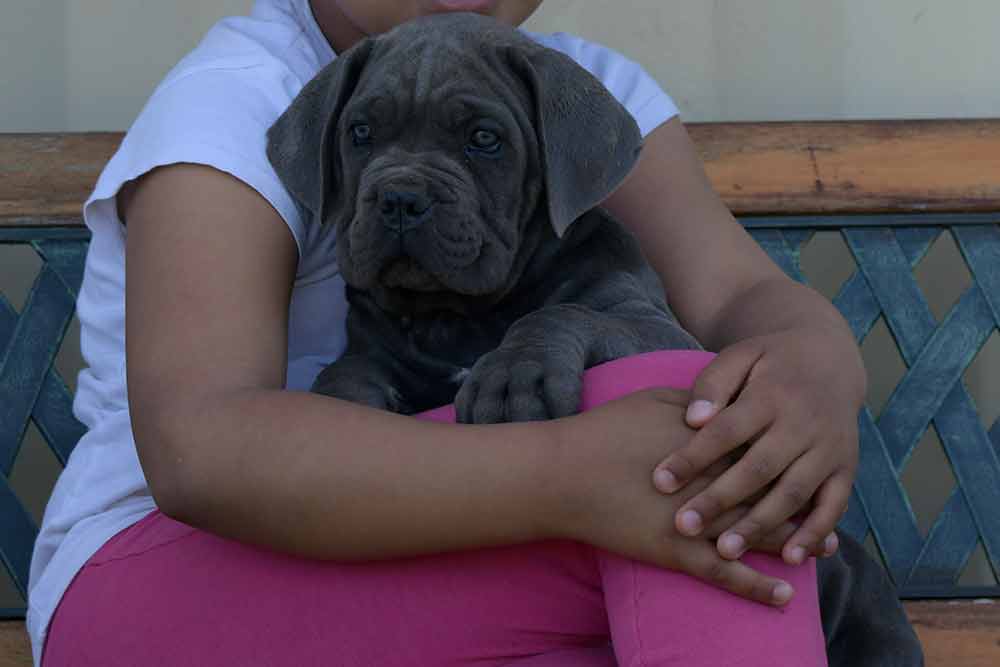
x=864 y=621
x=537 y=371
x=360 y=379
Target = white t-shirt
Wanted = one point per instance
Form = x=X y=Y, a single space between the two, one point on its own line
x=214 y=108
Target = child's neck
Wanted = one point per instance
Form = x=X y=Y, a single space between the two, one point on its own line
x=337 y=28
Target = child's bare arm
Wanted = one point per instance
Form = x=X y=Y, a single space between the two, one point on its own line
x=210 y=267
x=787 y=357
x=209 y=275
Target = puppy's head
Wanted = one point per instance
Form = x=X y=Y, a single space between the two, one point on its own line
x=445 y=152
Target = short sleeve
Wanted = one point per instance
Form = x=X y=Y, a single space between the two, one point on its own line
x=631 y=85
x=214 y=117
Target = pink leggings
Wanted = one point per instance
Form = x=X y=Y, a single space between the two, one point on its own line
x=163 y=593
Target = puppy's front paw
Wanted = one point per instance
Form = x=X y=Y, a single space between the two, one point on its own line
x=519 y=384
x=341 y=380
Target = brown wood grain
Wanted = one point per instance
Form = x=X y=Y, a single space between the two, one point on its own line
x=959 y=633
x=854 y=167
x=50 y=175
x=757 y=168
x=15 y=651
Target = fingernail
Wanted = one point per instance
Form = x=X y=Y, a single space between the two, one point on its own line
x=798 y=554
x=690 y=523
x=665 y=480
x=733 y=544
x=830 y=544
x=700 y=410
x=782 y=593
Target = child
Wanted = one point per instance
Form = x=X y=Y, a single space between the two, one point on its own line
x=217 y=514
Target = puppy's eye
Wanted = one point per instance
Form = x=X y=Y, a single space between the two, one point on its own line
x=485 y=141
x=361 y=133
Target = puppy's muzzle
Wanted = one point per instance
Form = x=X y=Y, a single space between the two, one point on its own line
x=403 y=210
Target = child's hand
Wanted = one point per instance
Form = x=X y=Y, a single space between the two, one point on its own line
x=608 y=500
x=800 y=418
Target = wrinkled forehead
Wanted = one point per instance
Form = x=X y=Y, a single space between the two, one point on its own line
x=443 y=64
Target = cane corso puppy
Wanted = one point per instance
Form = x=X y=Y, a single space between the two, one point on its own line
x=460 y=164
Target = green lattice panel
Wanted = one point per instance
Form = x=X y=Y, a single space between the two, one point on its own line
x=886 y=249
x=30 y=387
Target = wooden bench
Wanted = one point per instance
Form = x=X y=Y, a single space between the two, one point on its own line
x=888 y=188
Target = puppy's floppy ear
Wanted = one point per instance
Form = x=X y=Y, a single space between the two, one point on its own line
x=588 y=141
x=302 y=145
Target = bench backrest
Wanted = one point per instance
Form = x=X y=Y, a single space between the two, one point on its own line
x=889 y=188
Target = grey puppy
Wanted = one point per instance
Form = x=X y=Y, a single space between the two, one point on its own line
x=460 y=164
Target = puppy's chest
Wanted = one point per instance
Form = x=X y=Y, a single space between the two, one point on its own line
x=451 y=339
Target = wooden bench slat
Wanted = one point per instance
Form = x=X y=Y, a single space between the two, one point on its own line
x=50 y=175
x=853 y=167
x=15 y=650
x=812 y=167
x=961 y=633
x=958 y=633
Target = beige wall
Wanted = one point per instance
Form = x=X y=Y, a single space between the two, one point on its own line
x=804 y=59
x=90 y=64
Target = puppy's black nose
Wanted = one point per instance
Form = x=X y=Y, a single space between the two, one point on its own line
x=404 y=210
